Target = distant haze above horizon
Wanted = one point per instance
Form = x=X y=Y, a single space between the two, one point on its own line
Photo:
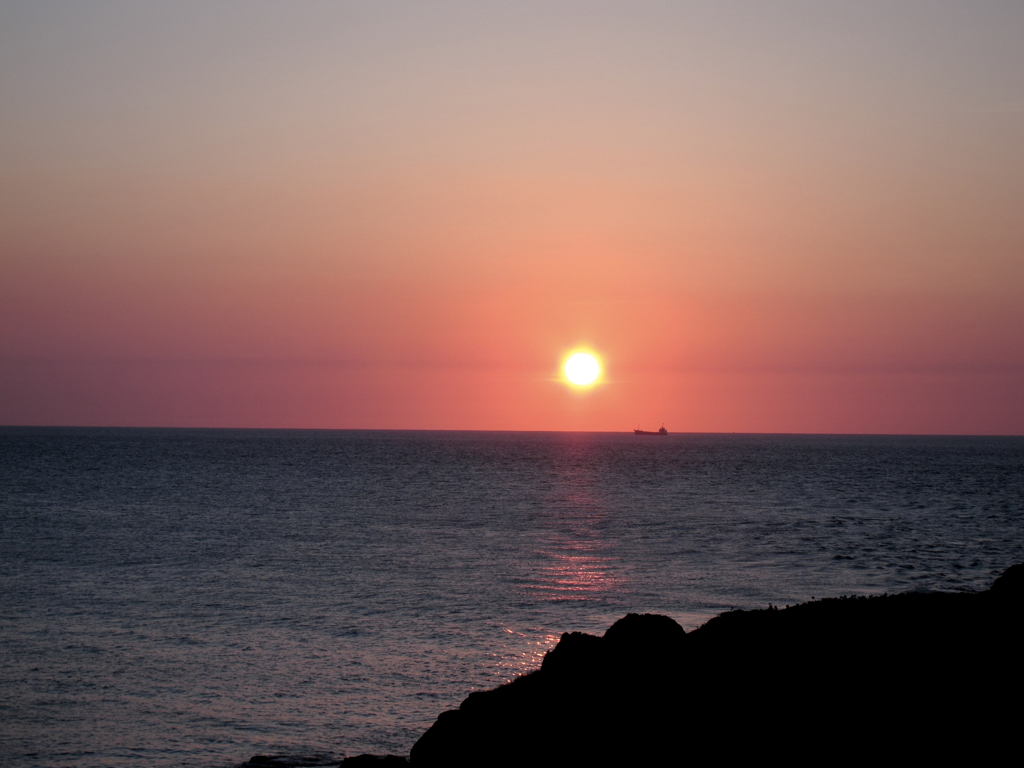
x=784 y=217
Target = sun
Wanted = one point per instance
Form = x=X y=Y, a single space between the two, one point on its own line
x=582 y=369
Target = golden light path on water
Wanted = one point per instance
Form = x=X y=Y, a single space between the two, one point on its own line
x=576 y=567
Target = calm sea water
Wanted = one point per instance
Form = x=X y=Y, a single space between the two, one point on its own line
x=195 y=597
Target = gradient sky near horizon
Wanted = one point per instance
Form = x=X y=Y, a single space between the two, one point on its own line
x=764 y=217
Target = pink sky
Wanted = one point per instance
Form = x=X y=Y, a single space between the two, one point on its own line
x=388 y=215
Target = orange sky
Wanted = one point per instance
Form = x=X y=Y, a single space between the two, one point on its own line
x=402 y=216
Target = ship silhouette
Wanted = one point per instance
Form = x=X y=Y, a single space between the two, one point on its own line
x=661 y=431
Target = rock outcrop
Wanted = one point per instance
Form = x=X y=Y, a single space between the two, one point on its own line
x=908 y=677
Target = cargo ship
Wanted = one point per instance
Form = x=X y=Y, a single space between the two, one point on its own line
x=661 y=431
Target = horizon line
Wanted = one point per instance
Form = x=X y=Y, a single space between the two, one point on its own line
x=498 y=431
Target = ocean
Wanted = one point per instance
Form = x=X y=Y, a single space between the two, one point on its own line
x=174 y=597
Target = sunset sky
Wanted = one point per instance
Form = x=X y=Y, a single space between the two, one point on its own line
x=762 y=216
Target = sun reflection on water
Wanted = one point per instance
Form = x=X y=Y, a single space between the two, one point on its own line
x=523 y=653
x=573 y=574
x=577 y=561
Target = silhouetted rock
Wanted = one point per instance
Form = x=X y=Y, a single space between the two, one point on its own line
x=374 y=761
x=577 y=653
x=1010 y=586
x=912 y=677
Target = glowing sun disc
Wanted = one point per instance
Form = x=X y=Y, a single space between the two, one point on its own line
x=582 y=369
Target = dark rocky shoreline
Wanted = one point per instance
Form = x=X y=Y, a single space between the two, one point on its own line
x=914 y=677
